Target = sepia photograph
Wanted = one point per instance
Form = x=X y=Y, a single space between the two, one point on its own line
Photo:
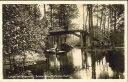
x=63 y=41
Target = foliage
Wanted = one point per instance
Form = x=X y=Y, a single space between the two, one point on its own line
x=22 y=28
x=61 y=16
x=110 y=22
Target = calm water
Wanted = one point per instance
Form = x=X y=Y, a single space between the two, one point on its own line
x=69 y=66
x=74 y=57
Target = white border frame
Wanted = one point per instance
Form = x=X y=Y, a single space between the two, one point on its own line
x=64 y=2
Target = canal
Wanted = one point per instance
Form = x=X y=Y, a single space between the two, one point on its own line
x=69 y=65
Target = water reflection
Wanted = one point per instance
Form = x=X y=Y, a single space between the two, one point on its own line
x=70 y=64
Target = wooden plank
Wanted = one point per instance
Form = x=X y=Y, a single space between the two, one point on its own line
x=65 y=32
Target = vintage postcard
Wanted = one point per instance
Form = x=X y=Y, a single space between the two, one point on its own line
x=63 y=40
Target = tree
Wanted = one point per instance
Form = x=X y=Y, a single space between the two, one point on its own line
x=22 y=29
x=61 y=15
x=117 y=24
x=110 y=20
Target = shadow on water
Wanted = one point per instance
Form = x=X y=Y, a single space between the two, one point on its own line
x=115 y=58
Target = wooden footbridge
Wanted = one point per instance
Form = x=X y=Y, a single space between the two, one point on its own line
x=74 y=32
x=82 y=34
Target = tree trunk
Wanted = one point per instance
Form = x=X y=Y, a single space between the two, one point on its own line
x=91 y=40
